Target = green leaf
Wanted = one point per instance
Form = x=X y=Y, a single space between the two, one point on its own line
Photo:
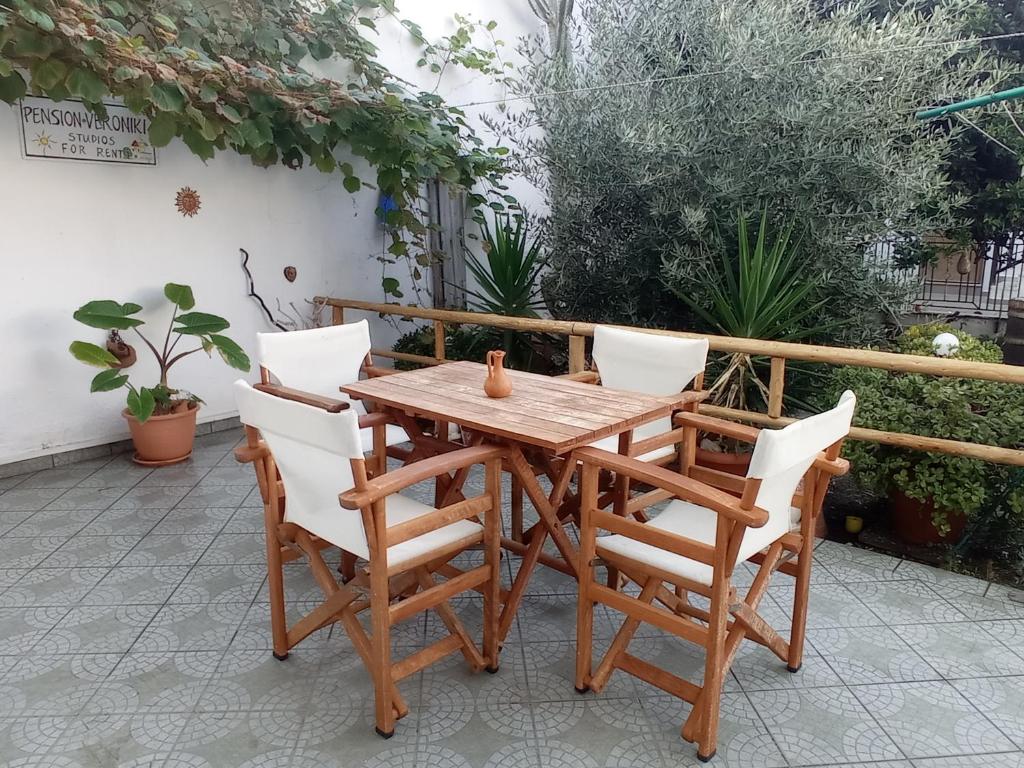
x=37 y=17
x=114 y=7
x=162 y=129
x=108 y=380
x=92 y=354
x=320 y=50
x=233 y=354
x=168 y=97
x=165 y=21
x=326 y=163
x=123 y=73
x=180 y=295
x=86 y=85
x=199 y=324
x=390 y=285
x=201 y=146
x=12 y=87
x=31 y=44
x=230 y=113
x=108 y=315
x=141 y=404
x=352 y=183
x=254 y=137
x=49 y=73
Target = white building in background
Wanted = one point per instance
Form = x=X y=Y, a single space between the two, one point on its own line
x=77 y=230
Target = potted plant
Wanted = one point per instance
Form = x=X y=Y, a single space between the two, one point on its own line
x=932 y=495
x=762 y=290
x=162 y=420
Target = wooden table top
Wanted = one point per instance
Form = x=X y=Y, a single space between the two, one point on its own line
x=548 y=412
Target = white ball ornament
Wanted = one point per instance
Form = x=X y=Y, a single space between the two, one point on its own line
x=945 y=345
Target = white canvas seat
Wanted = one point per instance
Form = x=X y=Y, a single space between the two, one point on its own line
x=695 y=544
x=316 y=492
x=653 y=365
x=319 y=361
x=633 y=361
x=400 y=509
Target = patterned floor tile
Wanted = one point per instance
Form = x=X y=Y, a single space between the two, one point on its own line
x=1001 y=700
x=962 y=649
x=931 y=719
x=1004 y=760
x=870 y=655
x=28 y=499
x=831 y=605
x=135 y=633
x=743 y=738
x=823 y=726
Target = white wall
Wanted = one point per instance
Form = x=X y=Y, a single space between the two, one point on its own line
x=73 y=232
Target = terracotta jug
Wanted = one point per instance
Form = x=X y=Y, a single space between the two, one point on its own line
x=498 y=383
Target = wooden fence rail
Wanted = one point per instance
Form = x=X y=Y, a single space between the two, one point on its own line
x=778 y=351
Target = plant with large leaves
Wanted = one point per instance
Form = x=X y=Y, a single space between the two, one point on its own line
x=761 y=291
x=204 y=328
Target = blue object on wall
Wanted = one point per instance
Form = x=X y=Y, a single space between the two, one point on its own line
x=385 y=206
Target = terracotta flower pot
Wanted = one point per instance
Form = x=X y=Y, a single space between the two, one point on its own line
x=912 y=521
x=163 y=440
x=724 y=461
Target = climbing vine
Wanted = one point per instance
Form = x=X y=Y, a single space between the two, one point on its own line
x=244 y=75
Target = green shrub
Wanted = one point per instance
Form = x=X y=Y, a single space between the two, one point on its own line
x=736 y=105
x=461 y=343
x=957 y=409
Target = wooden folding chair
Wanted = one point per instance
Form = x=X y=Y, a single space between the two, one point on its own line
x=694 y=545
x=308 y=448
x=633 y=361
x=319 y=361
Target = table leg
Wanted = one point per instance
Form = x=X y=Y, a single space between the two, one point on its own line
x=549 y=525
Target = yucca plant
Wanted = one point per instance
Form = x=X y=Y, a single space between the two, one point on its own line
x=762 y=291
x=507 y=279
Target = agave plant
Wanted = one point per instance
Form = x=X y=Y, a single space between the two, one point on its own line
x=507 y=282
x=763 y=291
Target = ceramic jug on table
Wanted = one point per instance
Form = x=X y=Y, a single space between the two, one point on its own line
x=497 y=383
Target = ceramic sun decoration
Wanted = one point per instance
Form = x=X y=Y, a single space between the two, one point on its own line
x=497 y=383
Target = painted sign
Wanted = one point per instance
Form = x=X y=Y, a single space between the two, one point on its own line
x=67 y=130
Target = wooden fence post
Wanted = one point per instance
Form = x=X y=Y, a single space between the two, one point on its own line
x=776 y=385
x=439 y=339
x=577 y=354
x=337 y=315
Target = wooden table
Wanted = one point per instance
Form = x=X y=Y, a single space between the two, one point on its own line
x=540 y=423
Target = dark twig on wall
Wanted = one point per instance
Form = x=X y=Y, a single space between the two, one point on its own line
x=252 y=291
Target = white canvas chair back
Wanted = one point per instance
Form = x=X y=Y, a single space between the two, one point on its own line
x=781 y=458
x=648 y=363
x=318 y=360
x=312 y=449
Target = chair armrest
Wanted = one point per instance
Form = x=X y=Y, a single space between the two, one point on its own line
x=718 y=426
x=834 y=467
x=410 y=474
x=375 y=371
x=676 y=484
x=373 y=420
x=587 y=377
x=306 y=398
x=248 y=453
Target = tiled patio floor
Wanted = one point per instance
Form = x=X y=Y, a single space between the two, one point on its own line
x=134 y=632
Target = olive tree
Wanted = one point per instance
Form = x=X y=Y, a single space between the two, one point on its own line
x=738 y=107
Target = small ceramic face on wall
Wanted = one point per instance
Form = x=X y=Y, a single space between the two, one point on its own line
x=290 y=273
x=187 y=202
